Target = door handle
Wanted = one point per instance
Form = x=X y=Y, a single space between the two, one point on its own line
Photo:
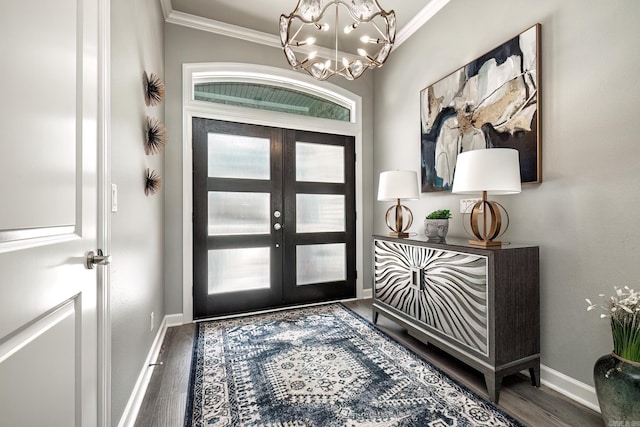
x=98 y=258
x=417 y=278
x=277 y=226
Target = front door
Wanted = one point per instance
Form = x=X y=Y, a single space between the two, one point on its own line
x=48 y=199
x=274 y=217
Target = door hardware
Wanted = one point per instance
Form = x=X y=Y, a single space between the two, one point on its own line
x=98 y=258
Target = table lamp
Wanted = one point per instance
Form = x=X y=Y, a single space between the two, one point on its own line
x=394 y=186
x=494 y=171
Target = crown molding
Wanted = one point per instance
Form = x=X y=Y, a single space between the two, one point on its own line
x=204 y=24
x=246 y=34
x=428 y=12
x=217 y=27
x=166 y=8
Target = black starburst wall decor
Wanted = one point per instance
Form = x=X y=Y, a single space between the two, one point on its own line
x=153 y=89
x=152 y=182
x=155 y=136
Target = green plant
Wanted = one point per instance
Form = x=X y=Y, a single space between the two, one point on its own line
x=623 y=309
x=440 y=214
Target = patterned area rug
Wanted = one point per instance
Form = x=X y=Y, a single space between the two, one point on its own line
x=321 y=366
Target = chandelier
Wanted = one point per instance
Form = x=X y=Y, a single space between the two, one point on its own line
x=300 y=31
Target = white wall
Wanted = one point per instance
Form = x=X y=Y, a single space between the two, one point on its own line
x=584 y=213
x=186 y=45
x=137 y=286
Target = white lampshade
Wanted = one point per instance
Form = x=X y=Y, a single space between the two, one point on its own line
x=395 y=185
x=494 y=170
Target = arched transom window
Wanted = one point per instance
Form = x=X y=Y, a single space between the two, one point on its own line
x=269 y=97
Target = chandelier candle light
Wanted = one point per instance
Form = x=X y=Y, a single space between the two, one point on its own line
x=494 y=171
x=300 y=30
x=397 y=185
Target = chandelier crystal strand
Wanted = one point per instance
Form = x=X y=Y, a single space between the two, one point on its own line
x=365 y=14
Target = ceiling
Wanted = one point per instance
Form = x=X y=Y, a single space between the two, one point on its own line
x=260 y=17
x=263 y=15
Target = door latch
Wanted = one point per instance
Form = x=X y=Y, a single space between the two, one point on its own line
x=98 y=258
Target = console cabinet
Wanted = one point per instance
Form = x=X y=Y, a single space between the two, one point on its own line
x=479 y=305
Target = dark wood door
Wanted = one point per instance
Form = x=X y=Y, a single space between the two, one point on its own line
x=274 y=217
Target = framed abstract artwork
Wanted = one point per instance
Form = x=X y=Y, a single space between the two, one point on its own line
x=492 y=102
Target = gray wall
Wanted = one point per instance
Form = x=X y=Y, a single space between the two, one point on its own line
x=137 y=228
x=186 y=45
x=584 y=213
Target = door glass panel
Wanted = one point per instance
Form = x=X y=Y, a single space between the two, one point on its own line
x=319 y=162
x=320 y=263
x=235 y=270
x=239 y=213
x=318 y=213
x=234 y=156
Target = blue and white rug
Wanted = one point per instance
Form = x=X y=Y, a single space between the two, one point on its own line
x=321 y=366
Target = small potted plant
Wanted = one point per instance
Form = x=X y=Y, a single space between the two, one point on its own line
x=436 y=225
x=617 y=375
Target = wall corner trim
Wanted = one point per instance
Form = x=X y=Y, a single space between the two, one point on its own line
x=167 y=8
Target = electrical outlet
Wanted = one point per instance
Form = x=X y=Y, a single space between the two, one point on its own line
x=467 y=204
x=152 y=323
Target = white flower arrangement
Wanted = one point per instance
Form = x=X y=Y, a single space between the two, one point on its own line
x=623 y=309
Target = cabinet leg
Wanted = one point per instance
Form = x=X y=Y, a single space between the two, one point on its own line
x=494 y=383
x=534 y=373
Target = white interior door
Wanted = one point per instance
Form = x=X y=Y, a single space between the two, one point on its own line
x=48 y=212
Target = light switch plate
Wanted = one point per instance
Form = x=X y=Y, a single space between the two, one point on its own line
x=114 y=198
x=467 y=204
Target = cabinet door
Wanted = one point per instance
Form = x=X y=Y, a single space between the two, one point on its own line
x=453 y=298
x=397 y=278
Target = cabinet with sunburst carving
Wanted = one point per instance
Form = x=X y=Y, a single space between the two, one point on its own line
x=480 y=305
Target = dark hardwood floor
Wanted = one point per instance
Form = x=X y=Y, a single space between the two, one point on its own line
x=165 y=401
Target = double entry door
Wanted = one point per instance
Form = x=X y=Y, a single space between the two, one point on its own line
x=273 y=217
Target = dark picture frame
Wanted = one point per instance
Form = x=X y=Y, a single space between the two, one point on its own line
x=492 y=102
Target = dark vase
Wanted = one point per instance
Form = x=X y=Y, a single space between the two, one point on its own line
x=618 y=388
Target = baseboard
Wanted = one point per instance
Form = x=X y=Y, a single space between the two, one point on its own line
x=130 y=414
x=578 y=391
x=575 y=390
x=367 y=294
x=174 y=320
